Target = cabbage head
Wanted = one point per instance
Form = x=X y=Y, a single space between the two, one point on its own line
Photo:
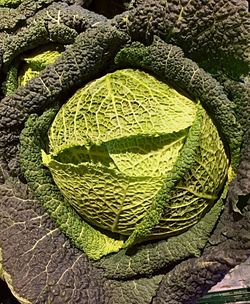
x=125 y=149
x=132 y=154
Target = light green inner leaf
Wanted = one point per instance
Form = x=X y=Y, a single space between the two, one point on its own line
x=121 y=104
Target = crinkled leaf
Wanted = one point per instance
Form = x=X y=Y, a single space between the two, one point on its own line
x=138 y=291
x=111 y=112
x=120 y=104
x=214 y=33
x=45 y=27
x=38 y=262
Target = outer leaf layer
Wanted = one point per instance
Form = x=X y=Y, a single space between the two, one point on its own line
x=13 y=19
x=38 y=262
x=239 y=92
x=138 y=291
x=216 y=33
x=57 y=23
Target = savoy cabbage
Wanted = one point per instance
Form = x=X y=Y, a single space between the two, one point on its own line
x=180 y=135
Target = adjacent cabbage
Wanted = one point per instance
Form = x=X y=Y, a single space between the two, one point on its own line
x=29 y=66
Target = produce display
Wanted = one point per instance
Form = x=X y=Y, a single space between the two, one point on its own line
x=124 y=149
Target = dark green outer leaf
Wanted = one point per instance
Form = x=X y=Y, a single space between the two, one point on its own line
x=13 y=19
x=138 y=291
x=240 y=188
x=239 y=92
x=57 y=23
x=38 y=261
x=209 y=31
x=193 y=278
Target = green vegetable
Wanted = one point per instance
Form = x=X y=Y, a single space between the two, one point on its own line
x=133 y=165
x=199 y=49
